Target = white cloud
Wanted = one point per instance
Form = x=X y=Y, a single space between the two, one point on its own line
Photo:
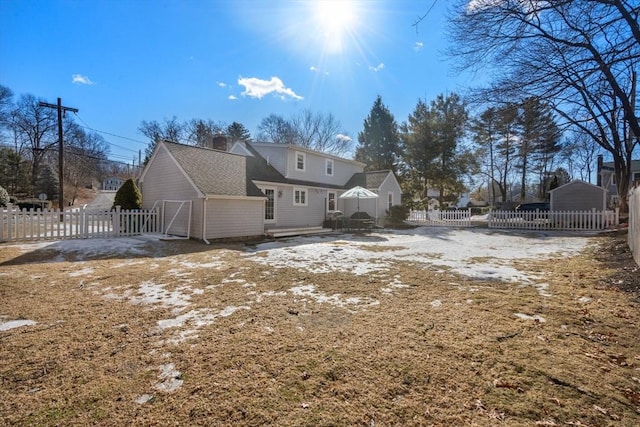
x=314 y=68
x=257 y=88
x=342 y=137
x=222 y=84
x=418 y=46
x=232 y=97
x=79 y=79
x=377 y=68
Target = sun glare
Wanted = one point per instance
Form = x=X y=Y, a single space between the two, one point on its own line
x=335 y=19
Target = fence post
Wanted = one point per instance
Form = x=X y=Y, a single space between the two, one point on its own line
x=116 y=222
x=9 y=220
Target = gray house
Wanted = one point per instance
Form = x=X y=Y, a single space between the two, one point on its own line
x=578 y=196
x=607 y=178
x=202 y=193
x=256 y=189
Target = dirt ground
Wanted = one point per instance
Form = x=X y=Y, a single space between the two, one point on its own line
x=180 y=333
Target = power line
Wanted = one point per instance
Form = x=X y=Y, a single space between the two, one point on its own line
x=86 y=126
x=61 y=110
x=421 y=18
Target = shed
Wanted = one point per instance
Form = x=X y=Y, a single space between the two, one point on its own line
x=578 y=195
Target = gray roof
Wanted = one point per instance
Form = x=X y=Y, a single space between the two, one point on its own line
x=214 y=172
x=373 y=179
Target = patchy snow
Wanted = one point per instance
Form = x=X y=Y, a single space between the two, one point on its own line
x=535 y=317
x=477 y=253
x=12 y=324
x=172 y=378
x=335 y=299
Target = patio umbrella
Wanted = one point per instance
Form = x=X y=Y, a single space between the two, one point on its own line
x=358 y=193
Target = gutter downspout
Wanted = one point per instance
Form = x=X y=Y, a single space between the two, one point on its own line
x=204 y=221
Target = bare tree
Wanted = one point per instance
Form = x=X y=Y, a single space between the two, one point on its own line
x=320 y=132
x=202 y=132
x=170 y=129
x=577 y=55
x=35 y=131
x=276 y=129
x=85 y=153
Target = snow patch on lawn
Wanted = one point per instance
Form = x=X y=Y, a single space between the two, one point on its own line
x=12 y=324
x=335 y=299
x=476 y=253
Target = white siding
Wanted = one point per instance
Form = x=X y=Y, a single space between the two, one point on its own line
x=316 y=166
x=234 y=218
x=288 y=215
x=164 y=180
x=390 y=185
x=275 y=155
x=282 y=158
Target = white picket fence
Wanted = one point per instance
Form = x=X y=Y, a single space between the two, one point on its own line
x=634 y=223
x=80 y=223
x=592 y=220
x=438 y=218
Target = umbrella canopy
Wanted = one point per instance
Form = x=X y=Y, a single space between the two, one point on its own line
x=358 y=193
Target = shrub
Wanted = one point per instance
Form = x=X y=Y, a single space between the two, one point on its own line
x=397 y=214
x=128 y=196
x=4 y=196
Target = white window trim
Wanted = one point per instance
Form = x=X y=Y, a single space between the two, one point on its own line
x=275 y=204
x=390 y=193
x=306 y=196
x=335 y=200
x=304 y=161
x=328 y=162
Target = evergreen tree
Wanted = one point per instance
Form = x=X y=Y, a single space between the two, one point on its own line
x=379 y=142
x=47 y=183
x=237 y=132
x=128 y=196
x=431 y=140
x=538 y=142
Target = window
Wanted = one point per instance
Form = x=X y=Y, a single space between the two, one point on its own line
x=390 y=200
x=636 y=176
x=331 y=201
x=270 y=204
x=299 y=197
x=329 y=167
x=300 y=161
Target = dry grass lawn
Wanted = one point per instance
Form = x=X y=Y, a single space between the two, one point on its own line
x=189 y=334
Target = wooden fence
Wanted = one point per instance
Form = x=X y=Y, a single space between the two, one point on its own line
x=449 y=218
x=634 y=222
x=592 y=220
x=80 y=223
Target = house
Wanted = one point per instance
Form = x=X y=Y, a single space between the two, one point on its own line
x=112 y=184
x=257 y=188
x=607 y=178
x=578 y=195
x=203 y=193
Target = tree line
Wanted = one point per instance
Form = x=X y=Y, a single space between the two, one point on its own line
x=29 y=151
x=562 y=89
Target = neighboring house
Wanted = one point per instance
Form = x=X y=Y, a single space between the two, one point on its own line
x=607 y=178
x=578 y=196
x=112 y=184
x=256 y=187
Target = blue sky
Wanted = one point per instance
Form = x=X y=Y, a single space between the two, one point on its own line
x=120 y=62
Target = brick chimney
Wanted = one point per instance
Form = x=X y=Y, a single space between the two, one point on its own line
x=599 y=178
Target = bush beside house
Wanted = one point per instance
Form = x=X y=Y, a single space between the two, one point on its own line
x=128 y=196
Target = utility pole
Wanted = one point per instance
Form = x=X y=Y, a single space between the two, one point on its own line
x=61 y=109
